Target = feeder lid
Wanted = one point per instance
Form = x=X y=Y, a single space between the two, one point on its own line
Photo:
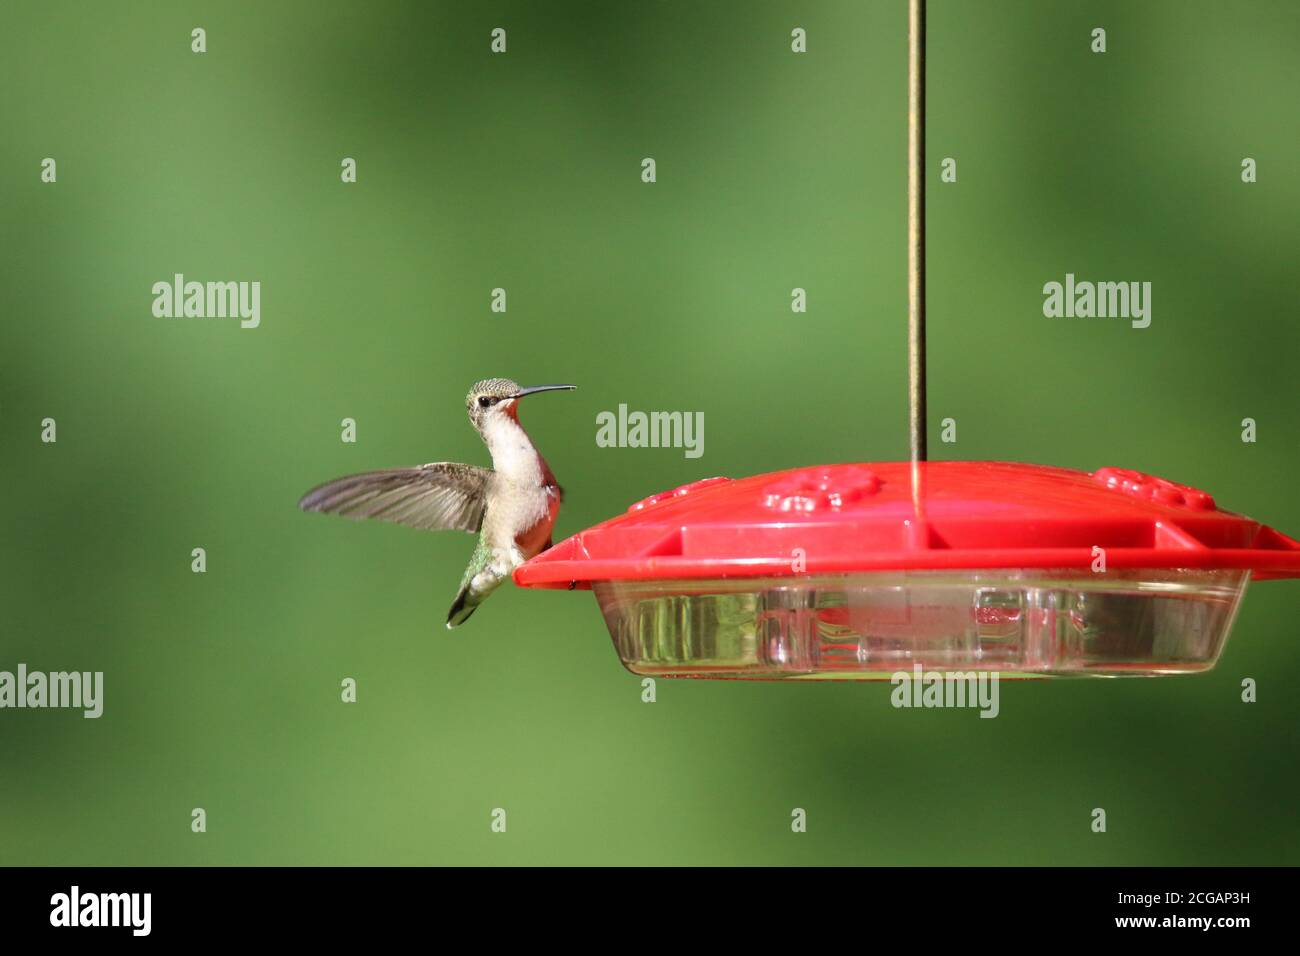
x=831 y=519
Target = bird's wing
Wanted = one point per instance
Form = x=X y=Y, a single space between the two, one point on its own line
x=439 y=495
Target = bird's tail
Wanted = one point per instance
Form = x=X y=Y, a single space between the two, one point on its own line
x=482 y=577
x=461 y=608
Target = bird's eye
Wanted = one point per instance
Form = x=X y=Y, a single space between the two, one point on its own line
x=486 y=401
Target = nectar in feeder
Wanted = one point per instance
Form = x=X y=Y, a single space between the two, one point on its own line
x=858 y=571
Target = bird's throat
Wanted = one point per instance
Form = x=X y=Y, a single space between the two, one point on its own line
x=513 y=454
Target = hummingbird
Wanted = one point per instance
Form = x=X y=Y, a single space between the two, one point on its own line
x=511 y=506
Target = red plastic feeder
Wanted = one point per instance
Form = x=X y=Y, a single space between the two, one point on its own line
x=858 y=571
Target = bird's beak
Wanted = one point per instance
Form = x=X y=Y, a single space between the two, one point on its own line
x=534 y=389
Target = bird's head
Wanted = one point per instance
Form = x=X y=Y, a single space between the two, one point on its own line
x=496 y=398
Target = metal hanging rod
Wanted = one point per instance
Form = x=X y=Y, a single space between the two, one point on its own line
x=916 y=227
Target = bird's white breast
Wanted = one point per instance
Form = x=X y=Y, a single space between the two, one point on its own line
x=522 y=499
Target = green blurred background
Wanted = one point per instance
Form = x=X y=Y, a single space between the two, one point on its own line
x=522 y=171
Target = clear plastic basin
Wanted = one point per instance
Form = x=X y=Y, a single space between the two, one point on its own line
x=1029 y=623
